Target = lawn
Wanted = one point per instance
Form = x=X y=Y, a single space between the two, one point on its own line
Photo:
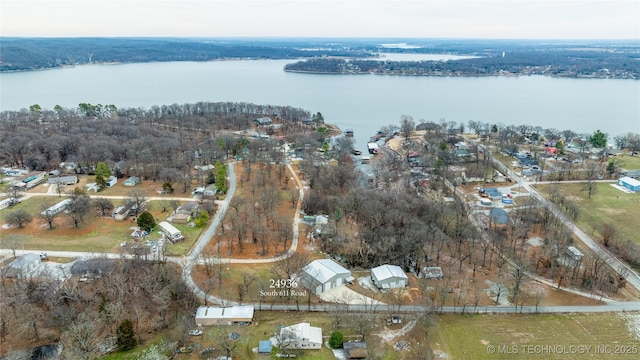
x=608 y=206
x=524 y=336
x=627 y=162
x=265 y=325
x=95 y=234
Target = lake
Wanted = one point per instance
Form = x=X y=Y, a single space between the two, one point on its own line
x=363 y=103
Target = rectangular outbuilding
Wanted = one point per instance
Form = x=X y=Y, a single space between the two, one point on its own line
x=629 y=183
x=389 y=277
x=209 y=315
x=324 y=274
x=170 y=231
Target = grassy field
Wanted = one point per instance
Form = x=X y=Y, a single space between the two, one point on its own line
x=627 y=162
x=94 y=234
x=516 y=336
x=608 y=206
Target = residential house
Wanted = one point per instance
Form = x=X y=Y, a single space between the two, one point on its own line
x=301 y=336
x=170 y=232
x=57 y=208
x=63 y=180
x=122 y=212
x=263 y=121
x=209 y=315
x=389 y=277
x=31 y=179
x=324 y=274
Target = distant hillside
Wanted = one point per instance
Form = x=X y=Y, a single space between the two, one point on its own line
x=21 y=54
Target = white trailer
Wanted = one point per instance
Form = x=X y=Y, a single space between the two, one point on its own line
x=170 y=232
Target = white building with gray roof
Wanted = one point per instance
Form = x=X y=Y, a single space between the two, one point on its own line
x=324 y=274
x=389 y=277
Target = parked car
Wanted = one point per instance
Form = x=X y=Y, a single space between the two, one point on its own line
x=197 y=332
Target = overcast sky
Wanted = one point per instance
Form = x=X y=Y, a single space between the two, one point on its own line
x=541 y=19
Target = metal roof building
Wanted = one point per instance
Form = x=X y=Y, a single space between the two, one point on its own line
x=389 y=277
x=324 y=274
x=209 y=315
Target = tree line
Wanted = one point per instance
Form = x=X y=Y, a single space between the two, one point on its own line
x=559 y=63
x=162 y=143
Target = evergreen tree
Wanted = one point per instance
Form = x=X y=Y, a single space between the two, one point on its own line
x=103 y=169
x=336 y=340
x=101 y=182
x=126 y=336
x=598 y=139
x=146 y=221
x=221 y=177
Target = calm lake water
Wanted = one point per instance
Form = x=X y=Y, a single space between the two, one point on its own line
x=363 y=103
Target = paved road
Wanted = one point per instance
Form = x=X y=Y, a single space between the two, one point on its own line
x=632 y=277
x=188 y=261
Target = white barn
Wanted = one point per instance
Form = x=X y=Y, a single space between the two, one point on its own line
x=301 y=336
x=209 y=315
x=389 y=277
x=324 y=274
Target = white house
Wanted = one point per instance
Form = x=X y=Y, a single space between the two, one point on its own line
x=57 y=208
x=63 y=180
x=389 y=277
x=301 y=336
x=170 y=232
x=324 y=274
x=209 y=315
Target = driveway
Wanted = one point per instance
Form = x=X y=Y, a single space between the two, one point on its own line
x=343 y=295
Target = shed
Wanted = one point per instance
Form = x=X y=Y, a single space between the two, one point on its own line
x=629 y=183
x=301 y=336
x=131 y=181
x=574 y=253
x=324 y=274
x=389 y=277
x=264 y=347
x=180 y=218
x=111 y=181
x=209 y=315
